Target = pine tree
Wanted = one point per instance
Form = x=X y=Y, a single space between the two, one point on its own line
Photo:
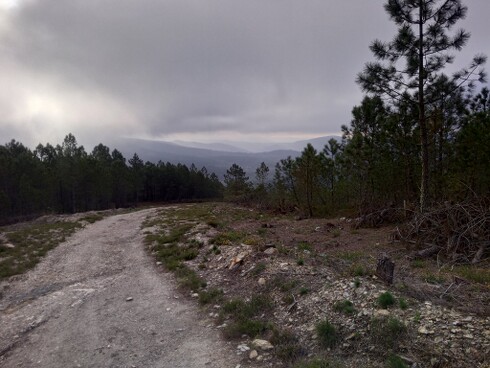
x=424 y=43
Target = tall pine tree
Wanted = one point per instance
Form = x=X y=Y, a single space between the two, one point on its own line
x=415 y=58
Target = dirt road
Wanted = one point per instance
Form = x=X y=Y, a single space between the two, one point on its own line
x=98 y=300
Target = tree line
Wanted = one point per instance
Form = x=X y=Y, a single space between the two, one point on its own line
x=66 y=179
x=376 y=164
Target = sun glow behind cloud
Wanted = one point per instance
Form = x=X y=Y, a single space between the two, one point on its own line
x=197 y=70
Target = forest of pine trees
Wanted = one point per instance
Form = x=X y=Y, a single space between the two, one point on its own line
x=67 y=179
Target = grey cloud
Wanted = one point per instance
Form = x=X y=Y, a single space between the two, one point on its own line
x=174 y=66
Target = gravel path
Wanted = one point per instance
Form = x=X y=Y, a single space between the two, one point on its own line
x=97 y=300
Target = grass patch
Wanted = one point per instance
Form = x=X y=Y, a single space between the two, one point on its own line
x=350 y=256
x=91 y=218
x=394 y=361
x=252 y=240
x=387 y=332
x=31 y=243
x=475 y=274
x=336 y=233
x=287 y=346
x=251 y=328
x=213 y=223
x=262 y=232
x=210 y=296
x=418 y=263
x=304 y=245
x=386 y=300
x=358 y=270
x=304 y=291
x=327 y=334
x=300 y=262
x=245 y=316
x=344 y=306
x=434 y=279
x=317 y=363
x=188 y=279
x=402 y=303
x=259 y=268
x=227 y=238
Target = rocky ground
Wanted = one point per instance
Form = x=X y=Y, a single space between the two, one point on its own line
x=319 y=270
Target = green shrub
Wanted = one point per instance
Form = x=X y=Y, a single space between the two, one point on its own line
x=304 y=245
x=251 y=328
x=403 y=303
x=345 y=306
x=287 y=346
x=210 y=296
x=394 y=361
x=303 y=291
x=327 y=334
x=386 y=300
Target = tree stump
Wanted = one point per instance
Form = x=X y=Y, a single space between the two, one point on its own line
x=385 y=268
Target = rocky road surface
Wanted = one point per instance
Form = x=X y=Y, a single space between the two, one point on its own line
x=98 y=300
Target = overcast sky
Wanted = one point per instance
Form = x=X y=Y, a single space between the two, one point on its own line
x=199 y=70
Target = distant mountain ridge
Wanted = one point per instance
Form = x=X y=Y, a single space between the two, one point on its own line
x=257 y=147
x=216 y=160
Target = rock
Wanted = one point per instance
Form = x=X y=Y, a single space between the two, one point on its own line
x=270 y=251
x=195 y=295
x=381 y=313
x=253 y=354
x=243 y=348
x=159 y=263
x=237 y=260
x=425 y=331
x=128 y=299
x=261 y=281
x=262 y=344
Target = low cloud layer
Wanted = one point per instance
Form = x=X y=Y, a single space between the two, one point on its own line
x=195 y=69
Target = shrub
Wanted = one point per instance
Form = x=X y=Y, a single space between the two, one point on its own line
x=386 y=300
x=402 y=303
x=327 y=334
x=345 y=306
x=251 y=328
x=387 y=331
x=303 y=291
x=394 y=361
x=211 y=295
x=287 y=346
x=259 y=268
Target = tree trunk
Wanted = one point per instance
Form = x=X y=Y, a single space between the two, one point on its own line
x=424 y=185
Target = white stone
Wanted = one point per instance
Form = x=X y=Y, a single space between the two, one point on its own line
x=262 y=344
